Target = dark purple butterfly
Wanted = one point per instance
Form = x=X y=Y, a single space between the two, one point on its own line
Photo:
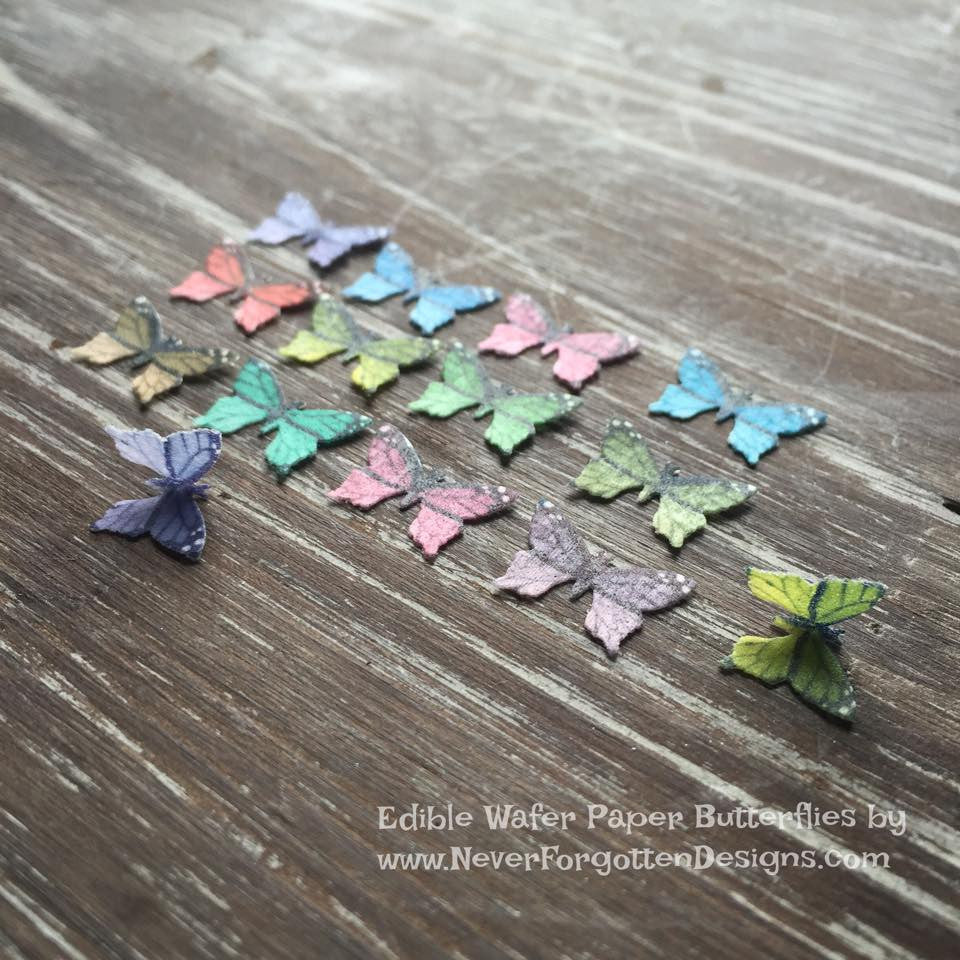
x=172 y=518
x=296 y=217
x=620 y=594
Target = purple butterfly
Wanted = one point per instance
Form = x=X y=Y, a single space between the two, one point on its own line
x=172 y=518
x=620 y=594
x=296 y=217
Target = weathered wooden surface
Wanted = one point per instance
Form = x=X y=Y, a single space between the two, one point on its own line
x=193 y=756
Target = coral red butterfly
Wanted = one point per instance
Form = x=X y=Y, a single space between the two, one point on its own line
x=225 y=271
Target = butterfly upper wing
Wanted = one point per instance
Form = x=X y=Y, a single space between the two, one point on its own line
x=465 y=384
x=222 y=273
x=264 y=303
x=382 y=360
x=787 y=590
x=579 y=355
x=757 y=429
x=131 y=518
x=177 y=524
x=437 y=306
x=836 y=599
x=622 y=594
x=625 y=463
x=702 y=387
x=393 y=273
x=392 y=468
x=686 y=502
x=137 y=330
x=189 y=454
x=295 y=217
x=334 y=242
x=144 y=447
x=517 y=416
x=444 y=509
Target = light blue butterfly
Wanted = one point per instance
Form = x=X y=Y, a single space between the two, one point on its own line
x=394 y=273
x=757 y=427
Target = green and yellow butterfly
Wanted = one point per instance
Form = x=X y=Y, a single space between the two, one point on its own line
x=516 y=415
x=805 y=656
x=334 y=331
x=258 y=399
x=625 y=463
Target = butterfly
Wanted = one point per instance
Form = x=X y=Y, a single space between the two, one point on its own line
x=579 y=355
x=394 y=272
x=296 y=217
x=334 y=331
x=172 y=518
x=165 y=360
x=516 y=415
x=257 y=398
x=757 y=427
x=805 y=655
x=621 y=595
x=625 y=463
x=225 y=271
x=394 y=469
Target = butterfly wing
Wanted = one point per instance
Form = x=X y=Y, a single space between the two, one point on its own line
x=137 y=330
x=393 y=273
x=757 y=429
x=144 y=447
x=444 y=509
x=579 y=355
x=794 y=594
x=392 y=468
x=300 y=432
x=835 y=599
x=131 y=518
x=465 y=384
x=625 y=463
x=256 y=395
x=334 y=242
x=382 y=360
x=169 y=367
x=295 y=217
x=516 y=417
x=702 y=387
x=528 y=324
x=437 y=306
x=333 y=332
x=686 y=502
x=153 y=381
x=222 y=273
x=264 y=304
x=177 y=524
x=189 y=454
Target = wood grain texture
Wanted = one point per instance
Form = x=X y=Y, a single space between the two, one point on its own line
x=193 y=755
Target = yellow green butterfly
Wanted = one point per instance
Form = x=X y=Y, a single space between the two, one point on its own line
x=805 y=656
x=625 y=463
x=334 y=331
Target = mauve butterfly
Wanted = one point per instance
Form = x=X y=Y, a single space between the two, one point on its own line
x=172 y=518
x=620 y=594
x=394 y=469
x=226 y=272
x=579 y=355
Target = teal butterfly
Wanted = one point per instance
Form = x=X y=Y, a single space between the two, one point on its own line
x=257 y=398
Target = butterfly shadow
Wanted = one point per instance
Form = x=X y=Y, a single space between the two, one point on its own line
x=952 y=504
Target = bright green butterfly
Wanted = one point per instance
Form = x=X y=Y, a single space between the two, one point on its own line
x=258 y=399
x=805 y=656
x=625 y=463
x=334 y=331
x=516 y=415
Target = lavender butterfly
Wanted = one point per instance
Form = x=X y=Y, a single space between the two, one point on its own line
x=296 y=217
x=172 y=518
x=620 y=594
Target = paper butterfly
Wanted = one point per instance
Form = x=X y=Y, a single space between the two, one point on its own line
x=296 y=217
x=165 y=360
x=757 y=427
x=621 y=595
x=394 y=273
x=625 y=463
x=258 y=399
x=805 y=656
x=172 y=518
x=579 y=355
x=394 y=469
x=516 y=415
x=334 y=331
x=226 y=272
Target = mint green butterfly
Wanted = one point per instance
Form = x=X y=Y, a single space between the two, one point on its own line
x=258 y=399
x=516 y=415
x=804 y=656
x=625 y=463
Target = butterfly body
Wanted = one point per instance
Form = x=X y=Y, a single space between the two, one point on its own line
x=757 y=427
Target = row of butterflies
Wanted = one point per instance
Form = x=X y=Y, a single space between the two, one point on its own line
x=804 y=655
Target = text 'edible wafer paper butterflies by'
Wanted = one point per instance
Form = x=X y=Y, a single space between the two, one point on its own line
x=757 y=427
x=805 y=656
x=436 y=306
x=394 y=469
x=621 y=595
x=296 y=217
x=579 y=355
x=334 y=331
x=516 y=415
x=257 y=398
x=172 y=518
x=226 y=272
x=163 y=361
x=625 y=463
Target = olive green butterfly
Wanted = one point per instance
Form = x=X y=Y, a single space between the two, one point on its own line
x=805 y=656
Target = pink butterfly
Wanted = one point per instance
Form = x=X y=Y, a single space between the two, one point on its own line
x=620 y=594
x=395 y=469
x=225 y=271
x=579 y=355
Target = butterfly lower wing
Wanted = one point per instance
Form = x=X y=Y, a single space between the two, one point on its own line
x=300 y=432
x=189 y=454
x=835 y=600
x=177 y=525
x=334 y=242
x=307 y=347
x=579 y=355
x=137 y=329
x=687 y=501
x=444 y=509
x=757 y=429
x=130 y=518
x=153 y=381
x=516 y=417
x=787 y=590
x=625 y=463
